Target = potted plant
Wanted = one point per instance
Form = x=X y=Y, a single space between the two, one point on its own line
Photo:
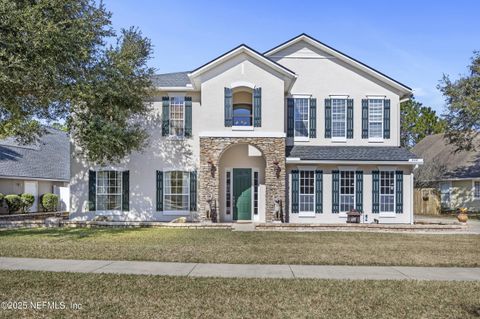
x=462 y=215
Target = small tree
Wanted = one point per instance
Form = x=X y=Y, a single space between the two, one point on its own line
x=27 y=201
x=14 y=203
x=49 y=202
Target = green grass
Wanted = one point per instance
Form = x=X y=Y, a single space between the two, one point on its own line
x=129 y=296
x=223 y=246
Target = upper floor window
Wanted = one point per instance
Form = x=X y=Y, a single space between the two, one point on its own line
x=387 y=191
x=177 y=116
x=347 y=191
x=375 y=118
x=301 y=107
x=339 y=118
x=109 y=190
x=176 y=194
x=242 y=115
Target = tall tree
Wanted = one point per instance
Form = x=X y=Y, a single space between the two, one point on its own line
x=417 y=121
x=463 y=106
x=55 y=65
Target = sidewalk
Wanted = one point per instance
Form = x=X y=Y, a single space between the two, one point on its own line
x=244 y=271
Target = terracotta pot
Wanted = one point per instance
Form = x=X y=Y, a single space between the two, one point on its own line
x=462 y=217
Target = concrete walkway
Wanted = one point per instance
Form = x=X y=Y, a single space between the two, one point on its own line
x=241 y=271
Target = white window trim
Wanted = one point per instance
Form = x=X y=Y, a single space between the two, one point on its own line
x=375 y=139
x=473 y=189
x=176 y=212
x=242 y=128
x=171 y=136
x=302 y=138
x=346 y=169
x=112 y=211
x=307 y=214
x=387 y=214
x=339 y=139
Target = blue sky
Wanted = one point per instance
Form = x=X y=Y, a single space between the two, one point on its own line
x=414 y=42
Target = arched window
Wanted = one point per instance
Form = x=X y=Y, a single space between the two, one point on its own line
x=242 y=107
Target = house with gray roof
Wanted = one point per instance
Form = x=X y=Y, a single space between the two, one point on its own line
x=301 y=133
x=456 y=174
x=37 y=168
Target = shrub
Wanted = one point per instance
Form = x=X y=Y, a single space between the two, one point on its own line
x=27 y=201
x=14 y=203
x=49 y=202
x=2 y=197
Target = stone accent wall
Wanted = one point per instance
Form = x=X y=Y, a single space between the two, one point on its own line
x=212 y=148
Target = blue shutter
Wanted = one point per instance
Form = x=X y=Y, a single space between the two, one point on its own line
x=125 y=191
x=228 y=108
x=364 y=118
x=313 y=118
x=386 y=119
x=188 y=116
x=399 y=192
x=328 y=118
x=165 y=116
x=295 y=191
x=290 y=117
x=350 y=118
x=359 y=191
x=193 y=191
x=257 y=107
x=92 y=190
x=159 y=191
x=318 y=192
x=375 y=192
x=335 y=192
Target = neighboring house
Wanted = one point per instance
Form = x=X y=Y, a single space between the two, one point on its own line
x=302 y=127
x=459 y=176
x=38 y=168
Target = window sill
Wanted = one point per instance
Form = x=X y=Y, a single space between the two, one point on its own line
x=176 y=213
x=108 y=212
x=342 y=215
x=176 y=138
x=388 y=215
x=300 y=139
x=306 y=214
x=375 y=140
x=242 y=128
x=339 y=140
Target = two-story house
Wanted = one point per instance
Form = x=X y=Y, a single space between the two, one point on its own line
x=301 y=128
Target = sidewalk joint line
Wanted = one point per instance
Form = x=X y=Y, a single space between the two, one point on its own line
x=111 y=262
x=194 y=266
x=398 y=270
x=293 y=274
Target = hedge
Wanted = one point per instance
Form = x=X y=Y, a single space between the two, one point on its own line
x=49 y=202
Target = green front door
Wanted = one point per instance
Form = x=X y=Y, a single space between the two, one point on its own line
x=242 y=194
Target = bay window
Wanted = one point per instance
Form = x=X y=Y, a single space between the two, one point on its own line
x=339 y=118
x=177 y=193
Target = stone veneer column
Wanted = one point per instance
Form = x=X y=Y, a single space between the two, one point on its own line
x=211 y=148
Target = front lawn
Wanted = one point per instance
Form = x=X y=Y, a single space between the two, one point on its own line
x=223 y=246
x=129 y=296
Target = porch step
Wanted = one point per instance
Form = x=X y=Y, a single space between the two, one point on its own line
x=243 y=227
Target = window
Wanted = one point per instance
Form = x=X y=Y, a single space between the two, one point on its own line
x=307 y=191
x=375 y=118
x=476 y=190
x=301 y=117
x=109 y=190
x=176 y=194
x=339 y=118
x=255 y=193
x=228 y=192
x=242 y=115
x=347 y=191
x=177 y=116
x=445 y=193
x=387 y=192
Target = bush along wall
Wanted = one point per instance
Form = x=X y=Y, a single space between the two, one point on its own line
x=49 y=202
x=14 y=203
x=27 y=201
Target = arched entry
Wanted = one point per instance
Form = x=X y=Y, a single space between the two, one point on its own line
x=242 y=184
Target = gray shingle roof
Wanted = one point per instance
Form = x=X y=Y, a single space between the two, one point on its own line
x=49 y=158
x=171 y=79
x=350 y=153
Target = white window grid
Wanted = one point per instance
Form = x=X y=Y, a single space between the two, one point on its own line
x=301 y=107
x=375 y=118
x=307 y=191
x=347 y=191
x=177 y=116
x=176 y=195
x=339 y=118
x=387 y=191
x=109 y=190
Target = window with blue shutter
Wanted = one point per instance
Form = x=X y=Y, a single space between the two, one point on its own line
x=335 y=192
x=188 y=116
x=349 y=118
x=313 y=118
x=257 y=107
x=92 y=190
x=318 y=192
x=295 y=191
x=228 y=112
x=125 y=191
x=364 y=118
x=359 y=191
x=159 y=184
x=328 y=118
x=399 y=192
x=165 y=116
x=375 y=192
x=193 y=191
x=290 y=117
x=386 y=119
